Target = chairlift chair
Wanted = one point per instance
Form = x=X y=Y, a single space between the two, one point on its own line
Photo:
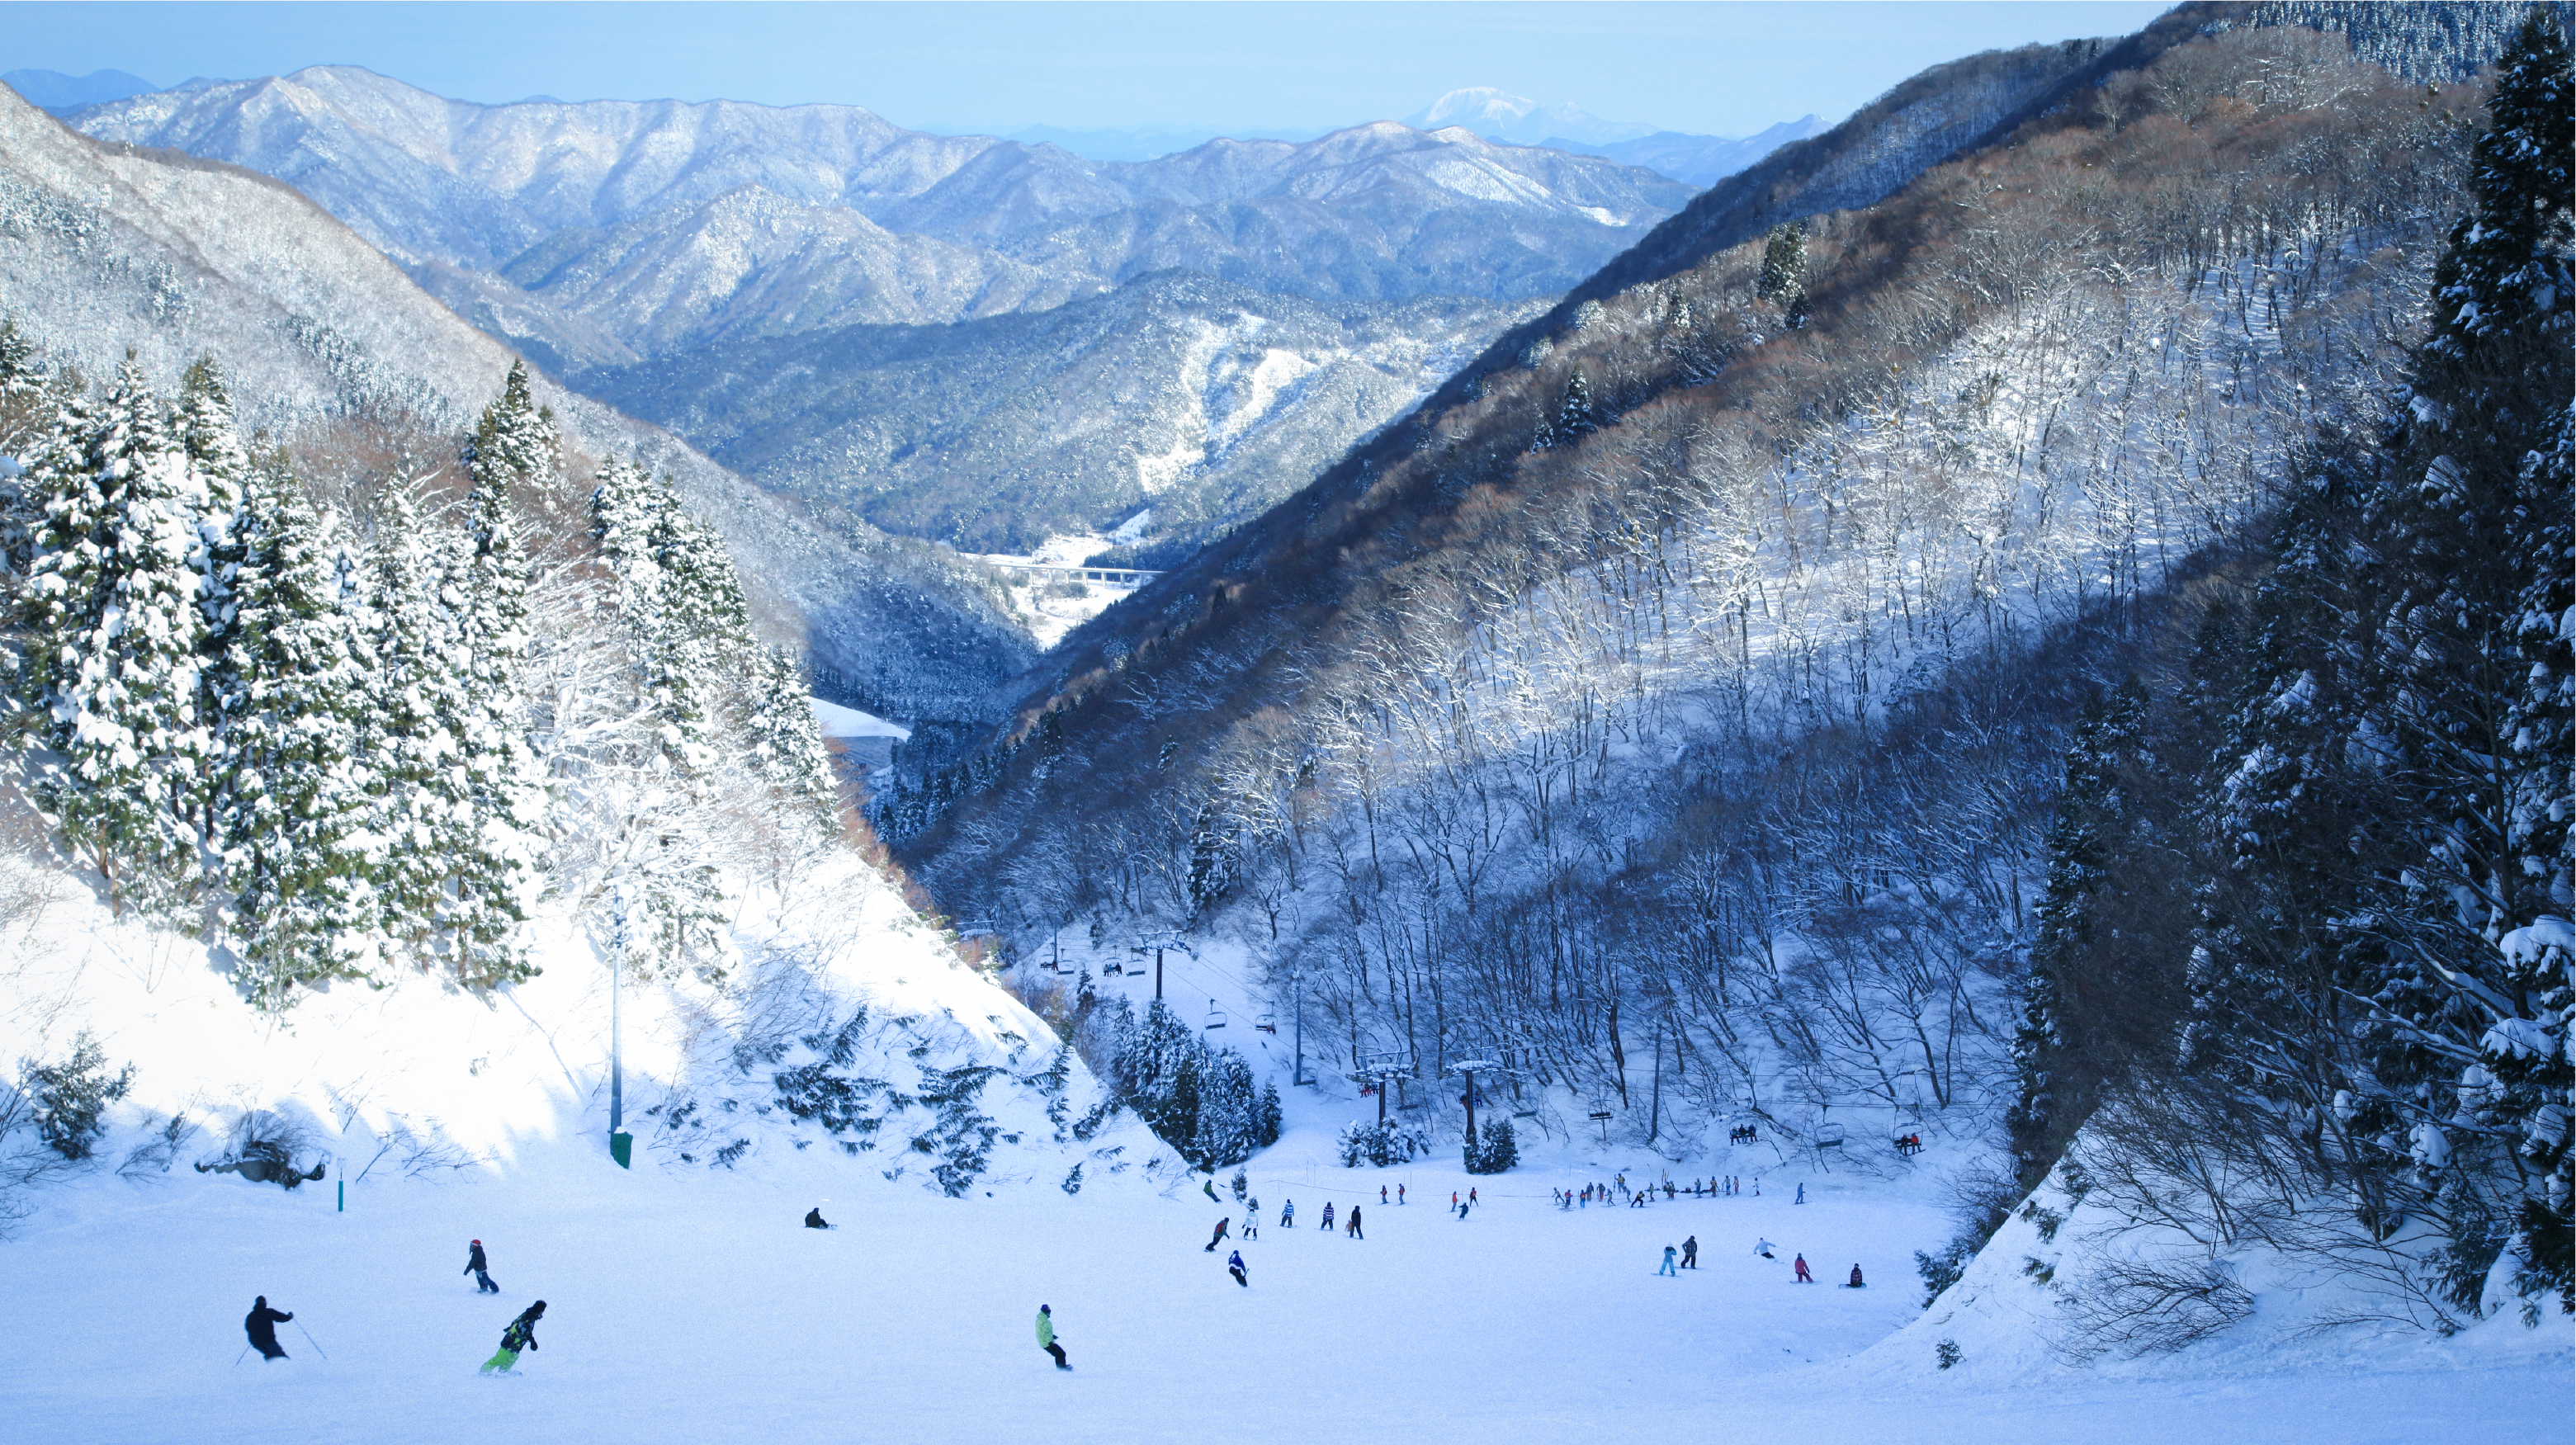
x=1265 y=1023
x=1215 y=1016
x=1829 y=1136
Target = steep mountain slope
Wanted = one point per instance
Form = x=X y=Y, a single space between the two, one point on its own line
x=1204 y=401
x=110 y=248
x=1374 y=211
x=1701 y=675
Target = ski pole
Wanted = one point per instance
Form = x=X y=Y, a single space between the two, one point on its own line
x=308 y=1339
x=244 y=1355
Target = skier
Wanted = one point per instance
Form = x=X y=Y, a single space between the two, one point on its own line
x=1855 y=1279
x=1353 y=1229
x=1381 y=1195
x=476 y=1266
x=1288 y=1216
x=1046 y=1337
x=1462 y=1212
x=1251 y=1222
x=1762 y=1247
x=1453 y=1198
x=1802 y=1194
x=814 y=1218
x=1399 y=1194
x=1803 y=1276
x=1690 y=1252
x=1234 y=1265
x=261 y=1325
x=1471 y=1196
x=1213 y=1239
x=521 y=1335
x=1668 y=1262
x=1327 y=1225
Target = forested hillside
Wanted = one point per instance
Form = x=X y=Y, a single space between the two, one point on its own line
x=1675 y=711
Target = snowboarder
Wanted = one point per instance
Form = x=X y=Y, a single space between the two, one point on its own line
x=1209 y=1184
x=814 y=1218
x=1462 y=1212
x=521 y=1335
x=1327 y=1225
x=1762 y=1247
x=476 y=1266
x=1046 y=1337
x=1690 y=1252
x=1803 y=1276
x=1217 y=1237
x=1668 y=1263
x=1288 y=1216
x=1353 y=1229
x=1855 y=1279
x=1235 y=1266
x=261 y=1325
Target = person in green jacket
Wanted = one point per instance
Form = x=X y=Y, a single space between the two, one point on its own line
x=1046 y=1337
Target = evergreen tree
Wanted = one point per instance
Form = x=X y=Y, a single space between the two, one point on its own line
x=1784 y=271
x=2088 y=839
x=493 y=773
x=409 y=729
x=292 y=810
x=1578 y=416
x=113 y=640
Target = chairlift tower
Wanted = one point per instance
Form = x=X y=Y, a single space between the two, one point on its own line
x=1470 y=1068
x=1158 y=940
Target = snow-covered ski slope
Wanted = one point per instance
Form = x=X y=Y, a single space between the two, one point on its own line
x=686 y=1302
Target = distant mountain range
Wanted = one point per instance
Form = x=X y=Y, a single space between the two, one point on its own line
x=60 y=94
x=1702 y=160
x=661 y=224
x=109 y=249
x=1519 y=120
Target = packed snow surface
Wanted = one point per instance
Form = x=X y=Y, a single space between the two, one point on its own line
x=690 y=1307
x=848 y=722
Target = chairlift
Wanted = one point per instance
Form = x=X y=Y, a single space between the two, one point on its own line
x=1265 y=1023
x=1829 y=1136
x=1215 y=1016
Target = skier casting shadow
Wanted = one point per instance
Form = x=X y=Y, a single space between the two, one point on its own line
x=476 y=1266
x=1046 y=1336
x=261 y=1325
x=521 y=1335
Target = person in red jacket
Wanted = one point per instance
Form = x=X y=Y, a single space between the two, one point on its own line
x=1803 y=1276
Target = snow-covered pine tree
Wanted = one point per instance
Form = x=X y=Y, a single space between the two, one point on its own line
x=1578 y=415
x=514 y=447
x=113 y=632
x=2083 y=846
x=408 y=730
x=2471 y=529
x=1228 y=1113
x=293 y=812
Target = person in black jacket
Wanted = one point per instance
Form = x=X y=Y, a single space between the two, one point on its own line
x=476 y=1266
x=521 y=1335
x=814 y=1218
x=261 y=1325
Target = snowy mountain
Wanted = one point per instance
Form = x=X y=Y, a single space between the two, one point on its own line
x=111 y=249
x=1379 y=211
x=1204 y=401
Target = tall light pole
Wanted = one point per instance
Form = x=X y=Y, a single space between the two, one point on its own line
x=1297 y=991
x=621 y=1145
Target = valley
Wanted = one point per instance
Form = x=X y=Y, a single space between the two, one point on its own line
x=821 y=733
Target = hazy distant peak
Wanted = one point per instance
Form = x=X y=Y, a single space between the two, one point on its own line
x=53 y=91
x=1500 y=115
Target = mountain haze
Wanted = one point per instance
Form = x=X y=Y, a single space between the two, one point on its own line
x=109 y=248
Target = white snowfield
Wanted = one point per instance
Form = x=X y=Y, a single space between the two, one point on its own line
x=686 y=1302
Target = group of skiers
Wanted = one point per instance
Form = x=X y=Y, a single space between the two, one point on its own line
x=1714 y=1187
x=518 y=1336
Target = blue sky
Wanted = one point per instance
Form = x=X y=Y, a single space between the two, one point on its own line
x=1726 y=68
